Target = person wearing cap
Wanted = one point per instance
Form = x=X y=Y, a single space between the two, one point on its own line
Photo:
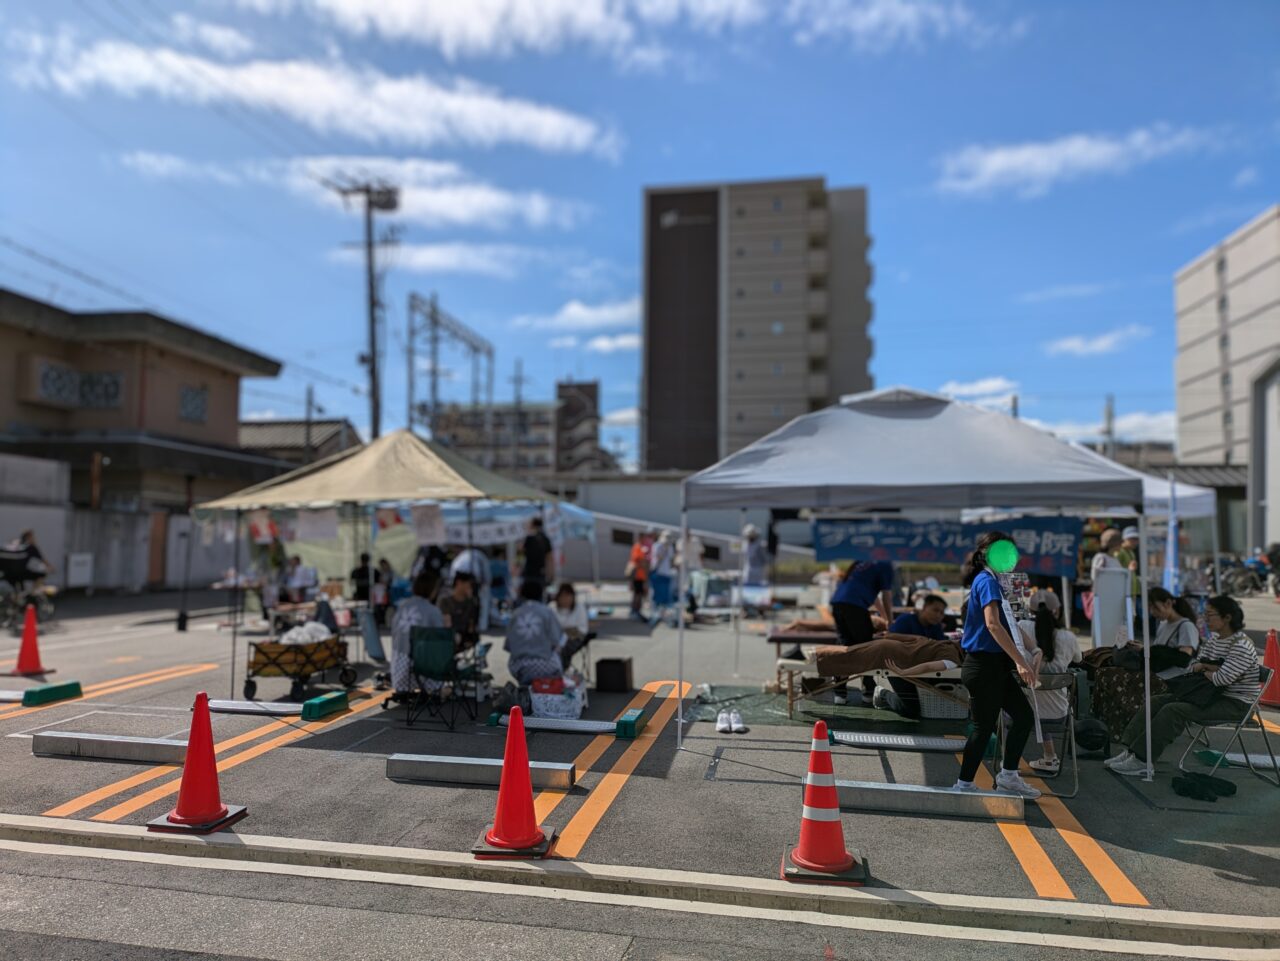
x=755 y=558
x=1109 y=544
x=1128 y=555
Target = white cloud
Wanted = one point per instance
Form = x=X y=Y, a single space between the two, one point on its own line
x=330 y=97
x=563 y=343
x=163 y=166
x=1030 y=169
x=488 y=260
x=623 y=417
x=267 y=414
x=595 y=275
x=577 y=316
x=1108 y=343
x=1247 y=177
x=222 y=40
x=502 y=28
x=1155 y=426
x=606 y=344
x=875 y=26
x=433 y=193
x=1061 y=292
x=978 y=388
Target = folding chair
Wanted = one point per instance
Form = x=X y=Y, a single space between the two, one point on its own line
x=1252 y=720
x=436 y=671
x=1049 y=682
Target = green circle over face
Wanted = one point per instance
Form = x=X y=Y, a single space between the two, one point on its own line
x=1002 y=556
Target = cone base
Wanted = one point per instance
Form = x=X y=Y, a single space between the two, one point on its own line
x=485 y=851
x=40 y=673
x=235 y=812
x=855 y=877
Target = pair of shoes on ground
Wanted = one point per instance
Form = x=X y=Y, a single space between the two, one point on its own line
x=1202 y=787
x=1007 y=782
x=730 y=722
x=1126 y=763
x=1047 y=765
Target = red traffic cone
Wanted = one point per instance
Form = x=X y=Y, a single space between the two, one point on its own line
x=821 y=855
x=1271 y=659
x=515 y=832
x=28 y=664
x=199 y=809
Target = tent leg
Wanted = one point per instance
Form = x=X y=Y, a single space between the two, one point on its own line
x=1217 y=550
x=235 y=604
x=1146 y=640
x=682 y=578
x=1066 y=602
x=738 y=609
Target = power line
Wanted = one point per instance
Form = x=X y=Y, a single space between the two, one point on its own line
x=80 y=275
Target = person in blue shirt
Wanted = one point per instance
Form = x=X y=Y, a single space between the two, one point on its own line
x=924 y=622
x=991 y=659
x=867 y=586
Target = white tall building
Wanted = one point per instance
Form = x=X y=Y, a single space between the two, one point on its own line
x=1227 y=370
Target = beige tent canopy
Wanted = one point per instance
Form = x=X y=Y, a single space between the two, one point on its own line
x=400 y=467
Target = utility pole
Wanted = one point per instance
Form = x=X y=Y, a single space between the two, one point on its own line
x=1109 y=426
x=385 y=198
x=1013 y=406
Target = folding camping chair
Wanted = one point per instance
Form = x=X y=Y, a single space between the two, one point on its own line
x=439 y=679
x=1251 y=721
x=1067 y=749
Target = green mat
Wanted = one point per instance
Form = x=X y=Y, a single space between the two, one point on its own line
x=757 y=707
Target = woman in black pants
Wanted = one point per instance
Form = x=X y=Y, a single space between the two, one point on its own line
x=991 y=658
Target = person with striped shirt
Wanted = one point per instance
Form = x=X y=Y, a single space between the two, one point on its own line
x=1229 y=660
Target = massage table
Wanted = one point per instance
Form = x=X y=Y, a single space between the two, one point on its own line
x=789 y=670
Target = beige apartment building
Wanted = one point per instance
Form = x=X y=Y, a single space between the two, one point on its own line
x=756 y=311
x=1227 y=370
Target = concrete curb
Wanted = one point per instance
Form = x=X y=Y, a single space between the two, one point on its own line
x=1026 y=915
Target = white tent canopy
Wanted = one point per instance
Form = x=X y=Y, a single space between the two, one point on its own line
x=898 y=448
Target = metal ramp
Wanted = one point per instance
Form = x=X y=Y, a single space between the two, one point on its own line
x=896 y=742
x=270 y=708
x=931 y=801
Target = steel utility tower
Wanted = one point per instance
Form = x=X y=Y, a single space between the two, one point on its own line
x=425 y=316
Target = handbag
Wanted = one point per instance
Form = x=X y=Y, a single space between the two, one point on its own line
x=1194 y=689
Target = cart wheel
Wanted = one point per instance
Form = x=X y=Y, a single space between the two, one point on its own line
x=299 y=689
x=250 y=689
x=347 y=677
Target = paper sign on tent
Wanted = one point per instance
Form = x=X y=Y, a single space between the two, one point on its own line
x=428 y=524
x=387 y=518
x=318 y=525
x=262 y=529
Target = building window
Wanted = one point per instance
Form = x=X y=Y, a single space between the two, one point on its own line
x=741 y=251
x=1224 y=341
x=777 y=286
x=193 y=404
x=1226 y=378
x=777 y=245
x=777 y=203
x=777 y=370
x=1222 y=304
x=741 y=293
x=740 y=375
x=817 y=365
x=741 y=417
x=777 y=410
x=711 y=552
x=1226 y=418
x=1222 y=265
x=777 y=328
x=742 y=334
x=618 y=535
x=741 y=211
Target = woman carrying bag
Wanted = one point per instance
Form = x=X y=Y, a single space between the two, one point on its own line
x=992 y=657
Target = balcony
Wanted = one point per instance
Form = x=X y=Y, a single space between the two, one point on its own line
x=817 y=260
x=816 y=302
x=819 y=343
x=819 y=385
x=818 y=221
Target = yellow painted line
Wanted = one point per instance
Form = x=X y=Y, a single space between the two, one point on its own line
x=125 y=808
x=1272 y=726
x=548 y=800
x=126 y=659
x=1114 y=882
x=579 y=828
x=1040 y=870
x=174 y=674
x=101 y=684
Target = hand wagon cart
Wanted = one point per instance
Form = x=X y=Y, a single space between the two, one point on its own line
x=298 y=662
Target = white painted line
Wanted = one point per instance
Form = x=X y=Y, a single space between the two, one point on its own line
x=1095 y=946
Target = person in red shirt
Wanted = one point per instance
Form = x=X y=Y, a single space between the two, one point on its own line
x=638 y=572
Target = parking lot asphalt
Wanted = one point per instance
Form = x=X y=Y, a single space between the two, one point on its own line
x=726 y=804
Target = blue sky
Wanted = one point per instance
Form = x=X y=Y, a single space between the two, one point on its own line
x=1037 y=172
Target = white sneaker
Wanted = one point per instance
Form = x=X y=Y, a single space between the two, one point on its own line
x=880 y=699
x=723 y=724
x=838 y=699
x=735 y=723
x=1120 y=758
x=1011 y=783
x=1047 y=765
x=1133 y=767
x=961 y=786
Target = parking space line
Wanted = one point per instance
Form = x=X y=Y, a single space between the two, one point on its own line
x=1035 y=862
x=109 y=687
x=125 y=808
x=548 y=800
x=602 y=796
x=1114 y=882
x=75 y=805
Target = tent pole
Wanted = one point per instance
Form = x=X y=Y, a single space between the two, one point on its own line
x=742 y=594
x=1066 y=602
x=1217 y=550
x=680 y=613
x=235 y=603
x=1146 y=639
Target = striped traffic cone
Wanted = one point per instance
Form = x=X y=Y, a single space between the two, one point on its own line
x=515 y=832
x=821 y=856
x=28 y=663
x=1271 y=658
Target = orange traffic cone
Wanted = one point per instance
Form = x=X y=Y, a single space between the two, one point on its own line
x=821 y=855
x=199 y=809
x=1271 y=659
x=28 y=664
x=515 y=832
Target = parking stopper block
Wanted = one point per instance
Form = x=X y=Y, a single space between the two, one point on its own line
x=49 y=693
x=324 y=705
x=632 y=723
